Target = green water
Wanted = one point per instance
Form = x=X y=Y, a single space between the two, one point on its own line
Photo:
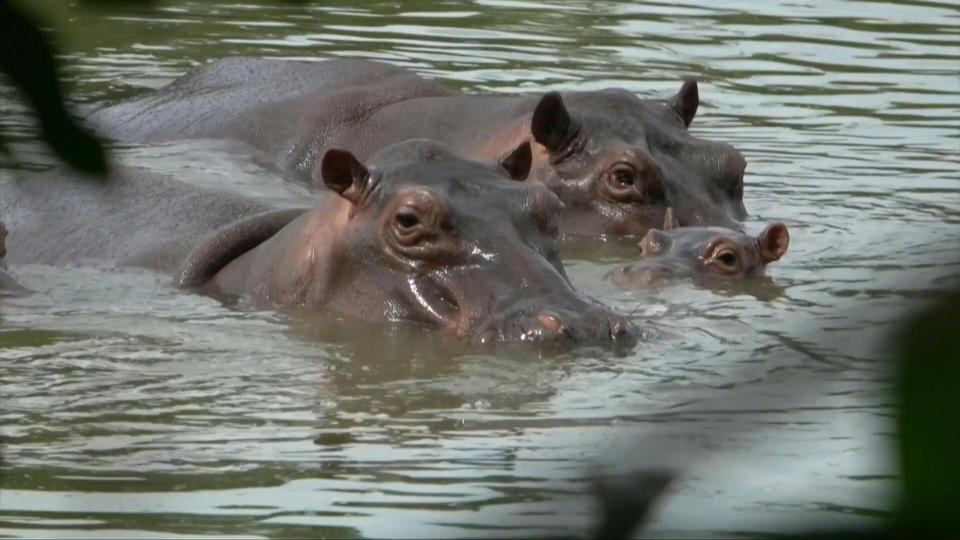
x=128 y=408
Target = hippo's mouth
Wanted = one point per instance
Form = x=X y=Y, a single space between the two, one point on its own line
x=433 y=301
x=526 y=326
x=587 y=325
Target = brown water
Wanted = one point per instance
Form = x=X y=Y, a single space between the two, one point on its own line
x=128 y=408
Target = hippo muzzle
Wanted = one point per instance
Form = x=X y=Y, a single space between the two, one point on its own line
x=538 y=307
x=594 y=325
x=551 y=312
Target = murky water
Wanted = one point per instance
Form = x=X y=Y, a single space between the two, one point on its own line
x=129 y=408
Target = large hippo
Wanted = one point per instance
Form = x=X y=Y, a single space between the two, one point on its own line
x=614 y=160
x=414 y=235
x=702 y=254
x=8 y=285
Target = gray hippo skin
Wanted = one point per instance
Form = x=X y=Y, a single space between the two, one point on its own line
x=703 y=254
x=8 y=286
x=415 y=235
x=615 y=161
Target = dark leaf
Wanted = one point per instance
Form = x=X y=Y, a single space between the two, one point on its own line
x=28 y=60
x=625 y=501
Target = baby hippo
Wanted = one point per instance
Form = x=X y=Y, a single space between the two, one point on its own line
x=703 y=254
x=8 y=285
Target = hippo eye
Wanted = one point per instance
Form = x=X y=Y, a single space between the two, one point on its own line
x=727 y=257
x=626 y=183
x=625 y=176
x=407 y=220
x=722 y=256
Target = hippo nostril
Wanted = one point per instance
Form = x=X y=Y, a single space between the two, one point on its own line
x=552 y=323
x=488 y=337
x=587 y=324
x=618 y=329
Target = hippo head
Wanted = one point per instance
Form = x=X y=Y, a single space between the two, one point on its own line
x=617 y=162
x=703 y=254
x=432 y=238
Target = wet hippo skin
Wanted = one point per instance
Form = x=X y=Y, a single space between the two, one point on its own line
x=615 y=161
x=8 y=285
x=415 y=234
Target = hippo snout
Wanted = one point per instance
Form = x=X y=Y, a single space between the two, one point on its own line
x=594 y=326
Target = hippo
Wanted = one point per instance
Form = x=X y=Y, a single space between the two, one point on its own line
x=703 y=254
x=8 y=285
x=615 y=161
x=415 y=235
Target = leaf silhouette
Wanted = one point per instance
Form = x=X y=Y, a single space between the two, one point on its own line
x=27 y=58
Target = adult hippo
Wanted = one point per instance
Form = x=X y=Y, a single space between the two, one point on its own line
x=8 y=285
x=417 y=235
x=703 y=254
x=614 y=160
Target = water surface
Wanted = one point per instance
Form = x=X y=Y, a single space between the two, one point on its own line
x=129 y=408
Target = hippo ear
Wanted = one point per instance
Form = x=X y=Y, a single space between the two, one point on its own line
x=686 y=102
x=670 y=220
x=343 y=173
x=517 y=162
x=773 y=242
x=551 y=122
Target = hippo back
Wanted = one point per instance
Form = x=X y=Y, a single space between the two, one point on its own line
x=137 y=218
x=227 y=97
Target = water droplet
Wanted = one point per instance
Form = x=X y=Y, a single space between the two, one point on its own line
x=328 y=404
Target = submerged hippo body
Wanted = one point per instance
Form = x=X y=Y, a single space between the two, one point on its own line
x=615 y=161
x=703 y=254
x=8 y=285
x=416 y=235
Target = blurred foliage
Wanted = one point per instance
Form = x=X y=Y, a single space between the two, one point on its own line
x=929 y=404
x=927 y=366
x=98 y=3
x=626 y=501
x=29 y=62
x=122 y=3
x=28 y=59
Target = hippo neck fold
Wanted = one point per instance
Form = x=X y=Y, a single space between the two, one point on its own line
x=292 y=267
